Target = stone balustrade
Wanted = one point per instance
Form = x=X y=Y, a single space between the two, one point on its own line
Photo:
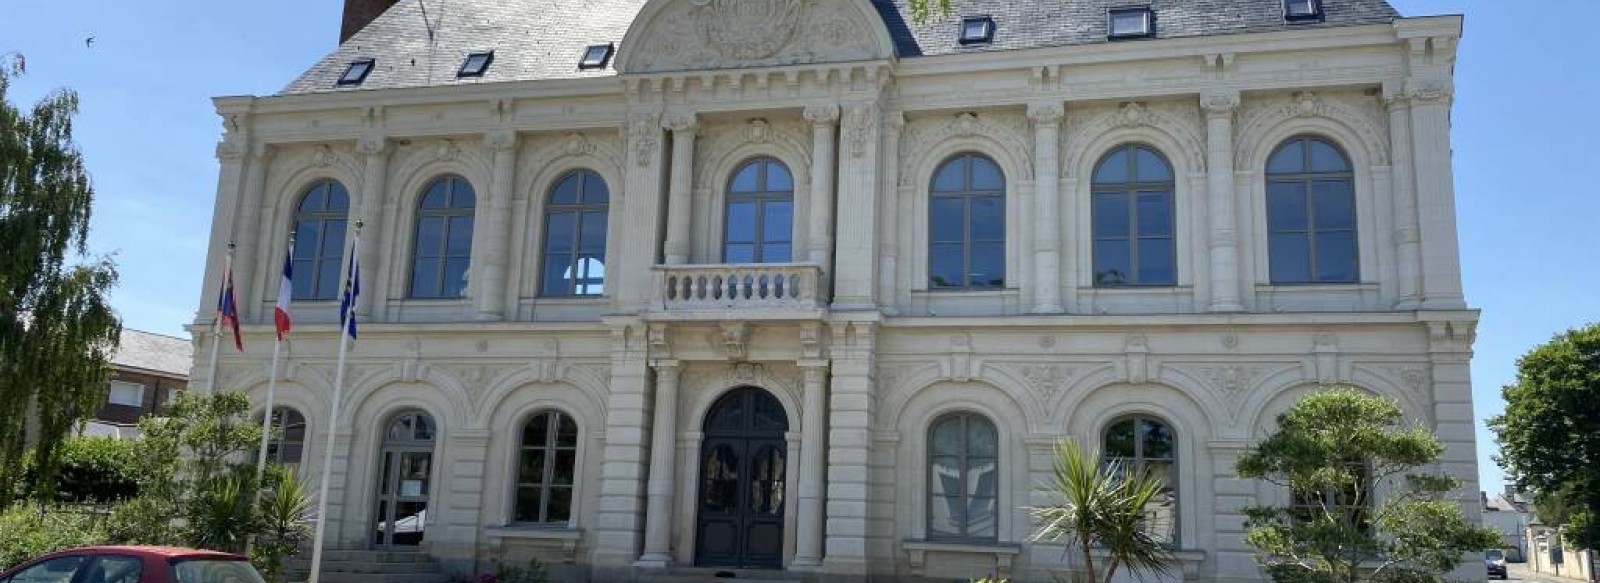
x=761 y=288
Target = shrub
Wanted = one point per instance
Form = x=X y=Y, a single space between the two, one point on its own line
x=27 y=532
x=89 y=470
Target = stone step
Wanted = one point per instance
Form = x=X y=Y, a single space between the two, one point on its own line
x=366 y=556
x=337 y=577
x=718 y=575
x=405 y=567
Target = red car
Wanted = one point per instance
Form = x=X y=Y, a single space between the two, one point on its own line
x=134 y=565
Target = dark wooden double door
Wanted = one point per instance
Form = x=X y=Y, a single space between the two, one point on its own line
x=743 y=463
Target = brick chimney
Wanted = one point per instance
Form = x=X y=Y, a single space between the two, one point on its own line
x=359 y=13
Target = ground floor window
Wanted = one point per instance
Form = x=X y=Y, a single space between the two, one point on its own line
x=545 y=469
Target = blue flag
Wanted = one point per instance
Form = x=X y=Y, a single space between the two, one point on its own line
x=352 y=291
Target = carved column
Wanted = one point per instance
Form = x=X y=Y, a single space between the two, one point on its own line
x=1436 y=200
x=663 y=466
x=813 y=465
x=375 y=150
x=247 y=261
x=496 y=255
x=822 y=118
x=1406 y=233
x=679 y=195
x=640 y=228
x=1219 y=107
x=889 y=216
x=1047 y=203
x=855 y=271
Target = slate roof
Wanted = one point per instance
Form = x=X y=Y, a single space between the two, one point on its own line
x=543 y=39
x=154 y=352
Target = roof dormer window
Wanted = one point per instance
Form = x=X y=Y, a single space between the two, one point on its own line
x=1132 y=22
x=595 y=57
x=357 y=72
x=976 y=30
x=1302 y=10
x=476 y=64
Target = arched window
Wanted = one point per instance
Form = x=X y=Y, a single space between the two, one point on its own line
x=319 y=224
x=1311 y=214
x=575 y=236
x=967 y=225
x=444 y=239
x=963 y=475
x=1134 y=242
x=759 y=227
x=545 y=468
x=1148 y=443
x=288 y=440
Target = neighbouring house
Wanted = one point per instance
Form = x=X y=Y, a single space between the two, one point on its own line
x=1509 y=514
x=148 y=370
x=1549 y=555
x=808 y=287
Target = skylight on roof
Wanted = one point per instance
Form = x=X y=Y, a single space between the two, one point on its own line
x=476 y=64
x=1302 y=10
x=357 y=72
x=976 y=29
x=1132 y=22
x=596 y=56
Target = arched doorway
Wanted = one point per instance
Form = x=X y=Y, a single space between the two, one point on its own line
x=405 y=471
x=742 y=479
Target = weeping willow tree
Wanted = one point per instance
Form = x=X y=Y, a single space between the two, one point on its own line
x=57 y=330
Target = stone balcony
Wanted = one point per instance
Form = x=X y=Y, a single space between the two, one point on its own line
x=746 y=291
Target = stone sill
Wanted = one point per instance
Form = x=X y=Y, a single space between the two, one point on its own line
x=566 y=537
x=917 y=553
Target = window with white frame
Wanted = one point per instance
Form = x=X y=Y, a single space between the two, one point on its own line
x=963 y=478
x=126 y=394
x=1148 y=444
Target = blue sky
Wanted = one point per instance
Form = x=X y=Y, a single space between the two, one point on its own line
x=1523 y=113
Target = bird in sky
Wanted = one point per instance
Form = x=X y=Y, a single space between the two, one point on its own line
x=88 y=43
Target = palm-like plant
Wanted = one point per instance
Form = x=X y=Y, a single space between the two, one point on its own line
x=1102 y=506
x=284 y=515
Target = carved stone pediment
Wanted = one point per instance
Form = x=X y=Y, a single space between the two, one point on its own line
x=680 y=35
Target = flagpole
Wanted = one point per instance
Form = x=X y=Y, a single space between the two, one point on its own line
x=216 y=325
x=272 y=387
x=333 y=417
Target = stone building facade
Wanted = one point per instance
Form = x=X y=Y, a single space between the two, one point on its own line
x=807 y=285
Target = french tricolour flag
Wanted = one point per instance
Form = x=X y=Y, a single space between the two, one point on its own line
x=280 y=312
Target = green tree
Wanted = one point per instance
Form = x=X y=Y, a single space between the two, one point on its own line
x=57 y=330
x=1359 y=514
x=1102 y=507
x=1549 y=435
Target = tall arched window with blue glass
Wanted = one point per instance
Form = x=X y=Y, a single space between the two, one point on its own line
x=319 y=227
x=759 y=227
x=1134 y=233
x=575 y=236
x=443 y=245
x=1311 y=214
x=967 y=225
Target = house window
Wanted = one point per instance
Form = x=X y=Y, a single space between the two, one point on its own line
x=443 y=239
x=1311 y=214
x=575 y=235
x=1302 y=10
x=967 y=225
x=356 y=72
x=288 y=439
x=126 y=394
x=1137 y=22
x=1148 y=444
x=976 y=30
x=1349 y=504
x=476 y=64
x=1134 y=242
x=595 y=56
x=963 y=475
x=759 y=223
x=545 y=468
x=319 y=227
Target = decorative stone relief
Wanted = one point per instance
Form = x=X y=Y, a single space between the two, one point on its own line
x=1414 y=378
x=322 y=155
x=789 y=137
x=811 y=340
x=644 y=130
x=722 y=34
x=474 y=156
x=1178 y=120
x=860 y=119
x=1233 y=380
x=758 y=131
x=1046 y=380
x=1009 y=129
x=659 y=342
x=735 y=339
x=958 y=366
x=1360 y=113
x=1136 y=349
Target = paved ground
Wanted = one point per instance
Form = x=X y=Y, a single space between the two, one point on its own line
x=1521 y=572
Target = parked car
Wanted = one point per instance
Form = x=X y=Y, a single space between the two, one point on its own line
x=1495 y=560
x=116 y=564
